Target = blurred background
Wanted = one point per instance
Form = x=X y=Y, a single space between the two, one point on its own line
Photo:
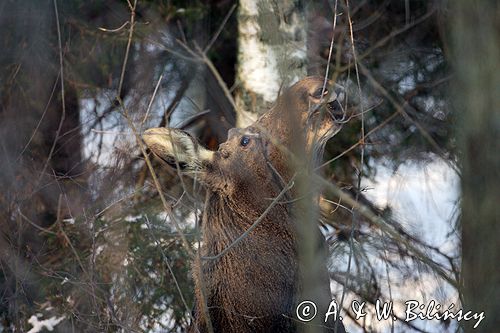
x=85 y=243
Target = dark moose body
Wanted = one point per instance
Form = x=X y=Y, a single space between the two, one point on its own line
x=255 y=286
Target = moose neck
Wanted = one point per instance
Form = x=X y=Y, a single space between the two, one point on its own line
x=226 y=219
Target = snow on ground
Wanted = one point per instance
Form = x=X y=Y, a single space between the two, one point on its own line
x=39 y=325
x=424 y=197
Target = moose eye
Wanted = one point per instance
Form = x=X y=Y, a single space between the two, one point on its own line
x=245 y=140
x=320 y=93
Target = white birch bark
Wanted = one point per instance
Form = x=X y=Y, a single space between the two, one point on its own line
x=271 y=53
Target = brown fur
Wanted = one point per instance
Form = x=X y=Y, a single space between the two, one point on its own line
x=254 y=287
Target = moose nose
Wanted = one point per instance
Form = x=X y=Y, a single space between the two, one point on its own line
x=336 y=110
x=334 y=104
x=223 y=151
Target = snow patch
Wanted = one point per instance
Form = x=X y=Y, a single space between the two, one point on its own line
x=69 y=220
x=39 y=325
x=130 y=218
x=98 y=250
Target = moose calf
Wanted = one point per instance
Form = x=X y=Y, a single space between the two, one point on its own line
x=252 y=283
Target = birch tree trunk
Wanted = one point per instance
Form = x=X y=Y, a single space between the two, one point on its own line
x=476 y=37
x=271 y=53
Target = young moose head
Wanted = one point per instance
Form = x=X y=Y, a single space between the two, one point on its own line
x=259 y=154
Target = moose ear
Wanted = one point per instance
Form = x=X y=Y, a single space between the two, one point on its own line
x=176 y=147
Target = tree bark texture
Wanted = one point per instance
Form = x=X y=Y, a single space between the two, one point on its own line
x=476 y=45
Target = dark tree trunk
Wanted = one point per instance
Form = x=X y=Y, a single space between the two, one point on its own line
x=41 y=172
x=476 y=39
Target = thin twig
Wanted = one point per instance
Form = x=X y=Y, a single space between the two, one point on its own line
x=405 y=115
x=255 y=224
x=387 y=38
x=330 y=50
x=65 y=236
x=360 y=173
x=385 y=227
x=114 y=30
x=41 y=118
x=166 y=206
x=129 y=43
x=63 y=115
x=219 y=30
x=165 y=259
x=375 y=129
x=151 y=100
x=42 y=229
